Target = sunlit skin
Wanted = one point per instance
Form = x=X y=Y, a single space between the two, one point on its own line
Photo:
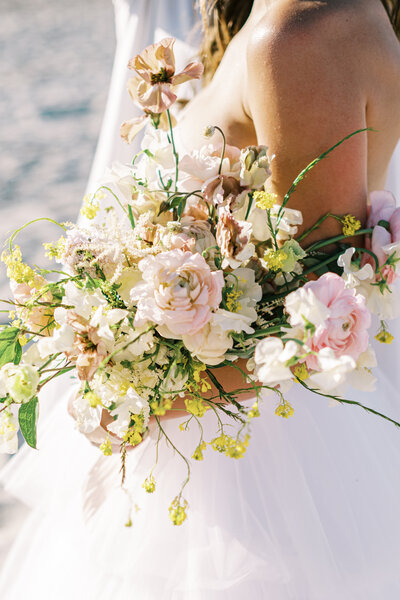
x=298 y=77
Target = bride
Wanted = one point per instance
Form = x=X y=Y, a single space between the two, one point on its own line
x=311 y=512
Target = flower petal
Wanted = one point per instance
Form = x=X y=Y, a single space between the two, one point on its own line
x=130 y=129
x=193 y=70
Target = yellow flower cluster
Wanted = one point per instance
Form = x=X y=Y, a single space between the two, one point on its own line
x=196 y=406
x=149 y=484
x=254 y=411
x=301 y=372
x=284 y=409
x=91 y=206
x=384 y=337
x=232 y=301
x=234 y=448
x=275 y=259
x=93 y=399
x=350 y=225
x=160 y=409
x=132 y=437
x=17 y=270
x=106 y=447
x=56 y=249
x=198 y=453
x=265 y=200
x=177 y=511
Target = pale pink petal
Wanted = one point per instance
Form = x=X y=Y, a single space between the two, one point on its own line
x=193 y=70
x=156 y=98
x=154 y=58
x=165 y=54
x=383 y=204
x=395 y=225
x=380 y=237
x=130 y=129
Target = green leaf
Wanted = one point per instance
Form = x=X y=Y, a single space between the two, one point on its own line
x=27 y=418
x=8 y=345
x=18 y=353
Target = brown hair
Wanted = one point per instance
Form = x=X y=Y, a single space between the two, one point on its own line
x=222 y=19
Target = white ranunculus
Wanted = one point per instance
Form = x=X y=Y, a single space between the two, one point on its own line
x=334 y=371
x=271 y=357
x=210 y=344
x=303 y=304
x=8 y=432
x=19 y=381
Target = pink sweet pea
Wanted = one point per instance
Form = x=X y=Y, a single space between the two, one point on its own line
x=153 y=85
x=345 y=330
x=384 y=236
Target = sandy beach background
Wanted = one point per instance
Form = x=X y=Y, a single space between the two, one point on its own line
x=55 y=66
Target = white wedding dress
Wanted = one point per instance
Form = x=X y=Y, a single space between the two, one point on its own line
x=310 y=513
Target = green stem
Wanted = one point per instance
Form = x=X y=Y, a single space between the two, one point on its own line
x=176 y=156
x=223 y=148
x=312 y=165
x=345 y=401
x=17 y=231
x=336 y=238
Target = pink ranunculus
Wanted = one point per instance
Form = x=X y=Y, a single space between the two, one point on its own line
x=346 y=329
x=179 y=292
x=154 y=82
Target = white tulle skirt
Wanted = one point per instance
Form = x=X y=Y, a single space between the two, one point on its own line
x=310 y=513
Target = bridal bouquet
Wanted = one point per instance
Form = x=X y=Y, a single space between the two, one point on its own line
x=187 y=265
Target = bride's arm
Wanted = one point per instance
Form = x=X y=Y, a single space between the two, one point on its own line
x=306 y=91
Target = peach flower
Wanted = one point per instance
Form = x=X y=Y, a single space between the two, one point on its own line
x=153 y=85
x=88 y=349
x=179 y=292
x=233 y=239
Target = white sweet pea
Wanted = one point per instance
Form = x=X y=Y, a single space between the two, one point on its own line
x=105 y=319
x=334 y=371
x=361 y=378
x=231 y=321
x=19 y=381
x=301 y=305
x=132 y=404
x=271 y=357
x=83 y=302
x=8 y=432
x=120 y=176
x=245 y=294
x=87 y=415
x=62 y=340
x=352 y=275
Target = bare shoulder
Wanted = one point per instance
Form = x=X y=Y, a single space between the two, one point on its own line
x=331 y=32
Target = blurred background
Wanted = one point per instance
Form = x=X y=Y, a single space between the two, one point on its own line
x=55 y=68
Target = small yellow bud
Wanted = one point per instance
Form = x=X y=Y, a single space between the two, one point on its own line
x=198 y=453
x=301 y=372
x=384 y=337
x=350 y=225
x=209 y=131
x=284 y=410
x=177 y=511
x=106 y=447
x=149 y=484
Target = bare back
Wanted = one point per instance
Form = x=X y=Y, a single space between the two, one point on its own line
x=299 y=76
